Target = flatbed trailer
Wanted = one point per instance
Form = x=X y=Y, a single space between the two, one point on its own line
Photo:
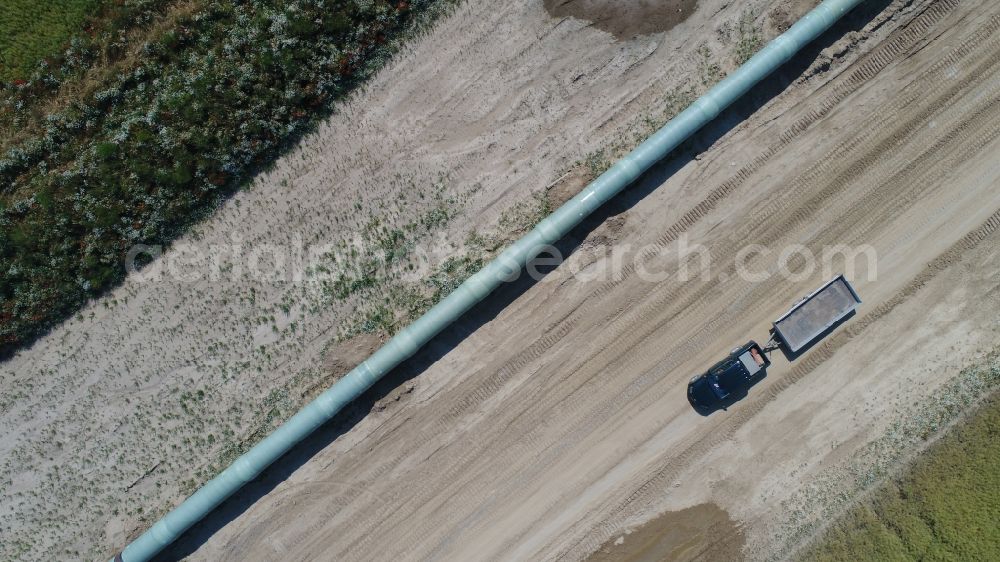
x=815 y=313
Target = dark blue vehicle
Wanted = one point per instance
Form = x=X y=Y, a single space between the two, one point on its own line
x=728 y=379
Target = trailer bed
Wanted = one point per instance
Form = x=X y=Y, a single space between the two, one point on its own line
x=816 y=313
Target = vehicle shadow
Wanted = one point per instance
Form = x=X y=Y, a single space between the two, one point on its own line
x=490 y=307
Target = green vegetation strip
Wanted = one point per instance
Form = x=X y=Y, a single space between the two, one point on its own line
x=204 y=104
x=945 y=507
x=31 y=30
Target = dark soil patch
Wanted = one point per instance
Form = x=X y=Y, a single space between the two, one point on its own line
x=701 y=532
x=566 y=187
x=340 y=357
x=622 y=19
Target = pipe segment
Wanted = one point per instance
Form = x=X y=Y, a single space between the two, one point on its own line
x=405 y=343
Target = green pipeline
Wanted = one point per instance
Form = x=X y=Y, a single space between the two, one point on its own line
x=405 y=343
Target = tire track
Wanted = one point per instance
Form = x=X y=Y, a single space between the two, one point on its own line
x=670 y=293
x=869 y=67
x=693 y=216
x=711 y=327
x=961 y=133
x=545 y=344
x=672 y=469
x=983 y=126
x=538 y=348
x=698 y=338
x=979 y=117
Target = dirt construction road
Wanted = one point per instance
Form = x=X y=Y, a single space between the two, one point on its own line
x=562 y=423
x=552 y=422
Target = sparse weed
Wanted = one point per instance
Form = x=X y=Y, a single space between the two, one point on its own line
x=169 y=137
x=929 y=509
x=750 y=37
x=709 y=70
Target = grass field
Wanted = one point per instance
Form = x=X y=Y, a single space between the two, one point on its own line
x=946 y=507
x=31 y=30
x=81 y=183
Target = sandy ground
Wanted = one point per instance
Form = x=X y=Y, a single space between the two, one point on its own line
x=547 y=427
x=563 y=421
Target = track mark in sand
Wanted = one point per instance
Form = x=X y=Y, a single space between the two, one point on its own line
x=813 y=360
x=547 y=342
x=668 y=295
x=924 y=173
x=855 y=329
x=799 y=218
x=802 y=216
x=971 y=240
x=492 y=384
x=872 y=64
